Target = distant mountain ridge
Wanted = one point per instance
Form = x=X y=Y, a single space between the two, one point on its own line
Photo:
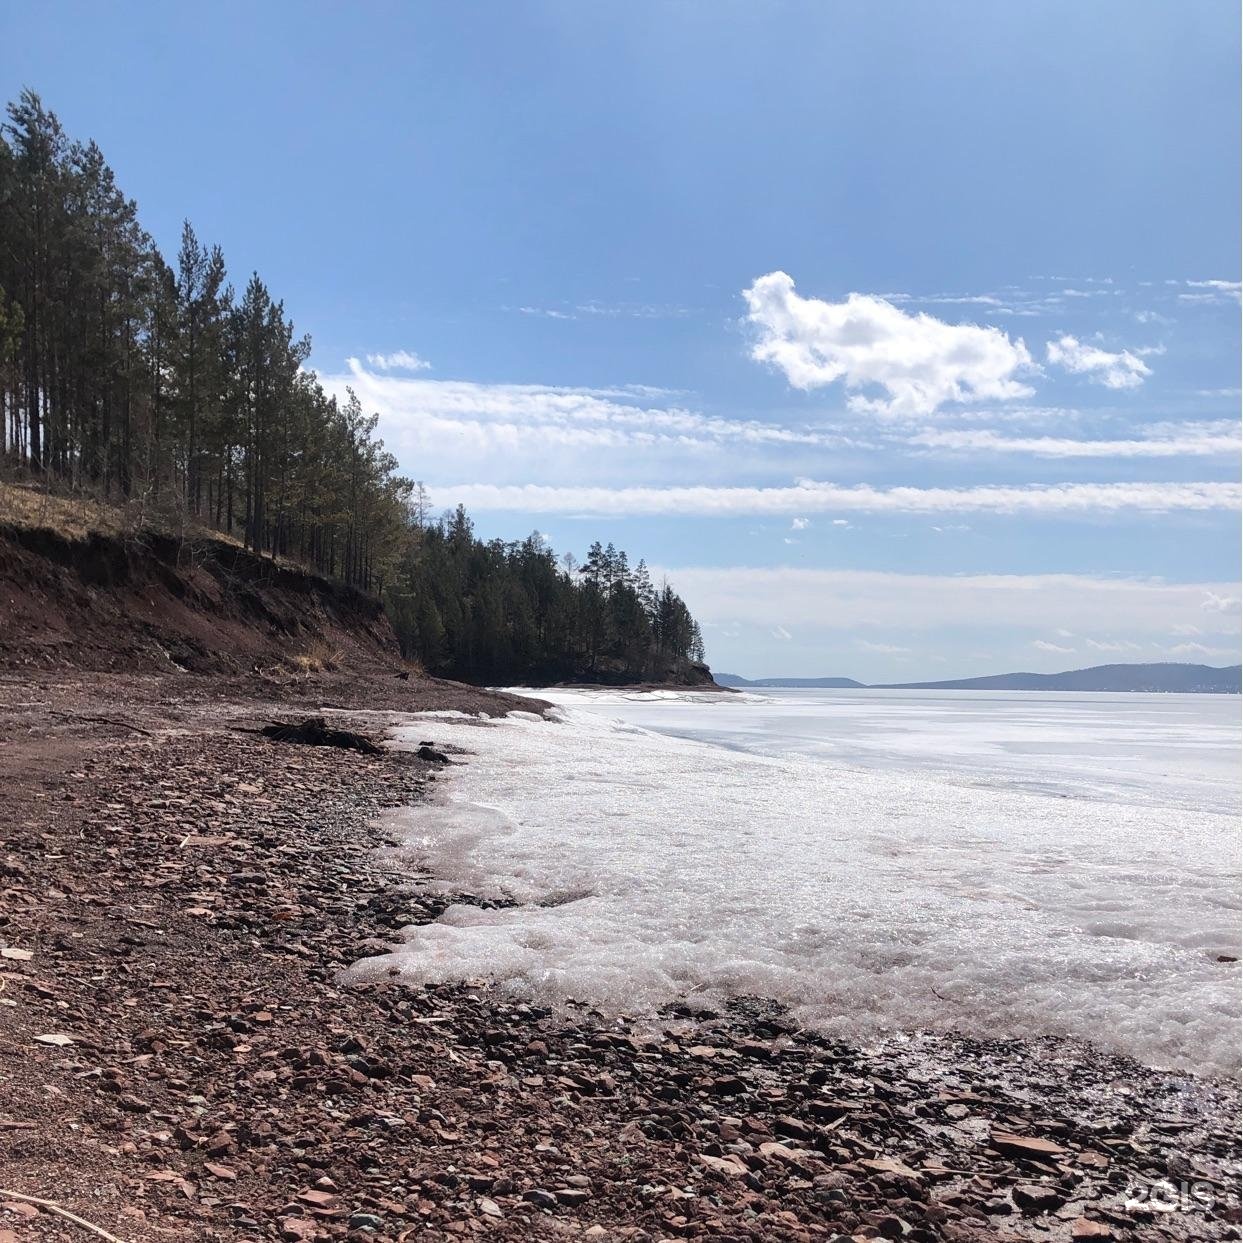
x=1169 y=677
x=732 y=679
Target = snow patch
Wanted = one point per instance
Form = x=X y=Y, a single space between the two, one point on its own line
x=639 y=868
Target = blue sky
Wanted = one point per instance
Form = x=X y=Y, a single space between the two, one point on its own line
x=904 y=337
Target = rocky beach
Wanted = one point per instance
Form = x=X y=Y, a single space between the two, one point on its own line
x=186 y=1054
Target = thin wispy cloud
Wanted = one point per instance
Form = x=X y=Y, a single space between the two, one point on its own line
x=544 y=312
x=1204 y=652
x=918 y=362
x=401 y=360
x=1215 y=602
x=1221 y=438
x=1036 y=605
x=426 y=415
x=1011 y=301
x=1123 y=369
x=812 y=496
x=1212 y=291
x=1044 y=645
x=595 y=308
x=632 y=310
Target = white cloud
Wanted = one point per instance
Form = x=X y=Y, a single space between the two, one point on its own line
x=920 y=362
x=800 y=524
x=1111 y=645
x=882 y=649
x=812 y=496
x=841 y=522
x=1121 y=370
x=1214 y=291
x=402 y=360
x=544 y=312
x=780 y=632
x=851 y=600
x=632 y=310
x=1202 y=651
x=1221 y=437
x=1215 y=603
x=447 y=417
x=612 y=310
x=1044 y=646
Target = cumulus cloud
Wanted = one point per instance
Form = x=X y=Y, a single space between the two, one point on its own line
x=812 y=496
x=882 y=649
x=1121 y=370
x=401 y=360
x=1211 y=439
x=1114 y=645
x=800 y=524
x=1045 y=646
x=917 y=361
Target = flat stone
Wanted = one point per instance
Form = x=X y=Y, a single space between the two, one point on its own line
x=1032 y=1198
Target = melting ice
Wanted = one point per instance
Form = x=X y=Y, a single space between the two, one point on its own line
x=1020 y=865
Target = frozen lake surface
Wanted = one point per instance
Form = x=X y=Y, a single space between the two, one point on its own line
x=1020 y=863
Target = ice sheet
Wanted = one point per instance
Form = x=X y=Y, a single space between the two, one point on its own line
x=645 y=867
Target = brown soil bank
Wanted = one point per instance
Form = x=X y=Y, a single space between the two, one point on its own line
x=154 y=602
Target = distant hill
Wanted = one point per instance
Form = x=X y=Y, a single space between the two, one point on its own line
x=1163 y=677
x=1171 y=678
x=732 y=679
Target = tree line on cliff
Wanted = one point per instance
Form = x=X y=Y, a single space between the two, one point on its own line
x=495 y=611
x=138 y=380
x=159 y=385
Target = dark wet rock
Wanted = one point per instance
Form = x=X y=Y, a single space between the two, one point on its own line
x=540 y=1198
x=314 y=731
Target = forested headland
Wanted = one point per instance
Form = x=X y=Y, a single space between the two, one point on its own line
x=496 y=611
x=159 y=386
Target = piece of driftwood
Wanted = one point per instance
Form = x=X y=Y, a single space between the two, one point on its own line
x=314 y=731
x=53 y=1207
